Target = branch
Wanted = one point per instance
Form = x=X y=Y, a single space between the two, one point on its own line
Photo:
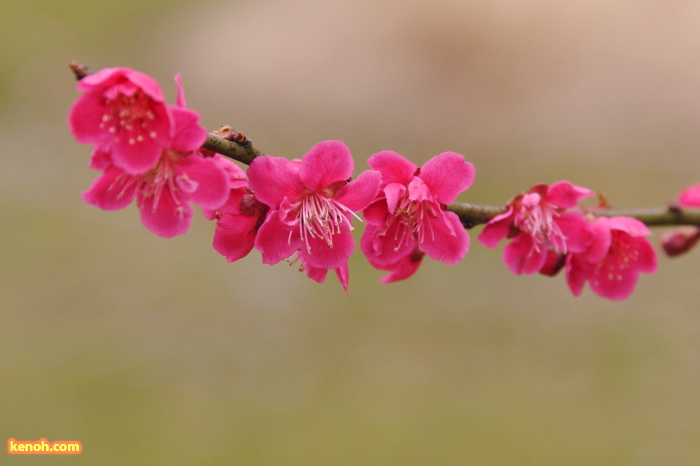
x=471 y=215
x=235 y=146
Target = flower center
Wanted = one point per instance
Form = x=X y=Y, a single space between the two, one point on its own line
x=129 y=116
x=408 y=221
x=322 y=217
x=537 y=220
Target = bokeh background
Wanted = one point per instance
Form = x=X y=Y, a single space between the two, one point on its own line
x=153 y=351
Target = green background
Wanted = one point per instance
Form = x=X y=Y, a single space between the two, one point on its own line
x=153 y=351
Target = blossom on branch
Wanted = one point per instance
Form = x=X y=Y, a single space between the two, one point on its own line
x=541 y=227
x=239 y=218
x=122 y=112
x=408 y=219
x=311 y=206
x=163 y=191
x=613 y=260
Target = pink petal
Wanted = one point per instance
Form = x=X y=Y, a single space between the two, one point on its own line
x=169 y=217
x=101 y=160
x=646 y=256
x=188 y=134
x=85 y=118
x=602 y=239
x=320 y=254
x=611 y=282
x=577 y=231
x=522 y=257
x=445 y=240
x=376 y=213
x=273 y=179
x=393 y=167
x=180 y=99
x=206 y=177
x=113 y=190
x=358 y=194
x=566 y=195
x=405 y=268
x=133 y=158
x=629 y=225
x=326 y=163
x=148 y=85
x=343 y=274
x=383 y=246
x=234 y=236
x=418 y=191
x=109 y=77
x=394 y=193
x=315 y=273
x=576 y=273
x=275 y=240
x=447 y=175
x=497 y=229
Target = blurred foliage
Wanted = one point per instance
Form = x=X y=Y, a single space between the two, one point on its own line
x=153 y=351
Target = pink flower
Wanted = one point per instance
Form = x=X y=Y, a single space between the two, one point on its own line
x=239 y=218
x=613 y=260
x=540 y=227
x=408 y=219
x=123 y=113
x=311 y=206
x=163 y=192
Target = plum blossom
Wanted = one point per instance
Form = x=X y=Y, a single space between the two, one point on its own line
x=409 y=220
x=239 y=218
x=163 y=192
x=541 y=227
x=311 y=206
x=123 y=113
x=613 y=260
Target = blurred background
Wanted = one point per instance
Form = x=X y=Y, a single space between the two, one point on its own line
x=153 y=351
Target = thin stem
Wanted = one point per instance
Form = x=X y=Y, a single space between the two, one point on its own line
x=471 y=215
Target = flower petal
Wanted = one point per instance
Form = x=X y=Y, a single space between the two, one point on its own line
x=275 y=239
x=208 y=179
x=447 y=175
x=113 y=190
x=445 y=239
x=358 y=194
x=522 y=257
x=169 y=217
x=497 y=229
x=394 y=167
x=566 y=195
x=187 y=134
x=273 y=179
x=318 y=253
x=326 y=163
x=234 y=236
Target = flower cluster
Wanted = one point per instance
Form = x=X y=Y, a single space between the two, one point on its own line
x=549 y=232
x=302 y=210
x=147 y=150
